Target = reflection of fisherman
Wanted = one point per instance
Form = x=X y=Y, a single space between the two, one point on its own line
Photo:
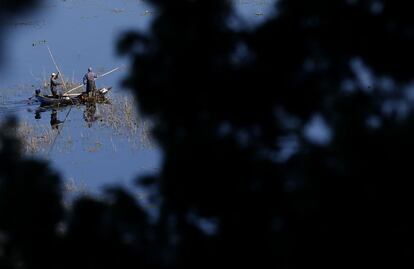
x=39 y=110
x=54 y=122
x=89 y=81
x=89 y=113
x=54 y=84
x=37 y=115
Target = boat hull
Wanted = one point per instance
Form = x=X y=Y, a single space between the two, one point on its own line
x=47 y=100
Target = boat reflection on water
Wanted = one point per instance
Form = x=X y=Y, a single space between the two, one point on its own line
x=89 y=114
x=54 y=121
x=37 y=114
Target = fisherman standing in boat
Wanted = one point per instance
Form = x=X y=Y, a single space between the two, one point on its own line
x=89 y=81
x=54 y=84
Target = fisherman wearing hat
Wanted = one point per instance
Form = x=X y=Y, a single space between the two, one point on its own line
x=89 y=81
x=54 y=84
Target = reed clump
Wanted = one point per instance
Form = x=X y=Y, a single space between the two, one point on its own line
x=33 y=139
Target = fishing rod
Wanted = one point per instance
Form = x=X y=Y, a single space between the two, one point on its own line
x=70 y=109
x=107 y=73
x=57 y=67
x=53 y=60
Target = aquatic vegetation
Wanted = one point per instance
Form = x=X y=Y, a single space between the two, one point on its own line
x=120 y=118
x=75 y=187
x=34 y=138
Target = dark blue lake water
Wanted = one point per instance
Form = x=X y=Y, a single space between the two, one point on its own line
x=110 y=150
x=115 y=147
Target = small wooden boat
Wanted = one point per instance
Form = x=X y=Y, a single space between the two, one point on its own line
x=71 y=99
x=48 y=100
